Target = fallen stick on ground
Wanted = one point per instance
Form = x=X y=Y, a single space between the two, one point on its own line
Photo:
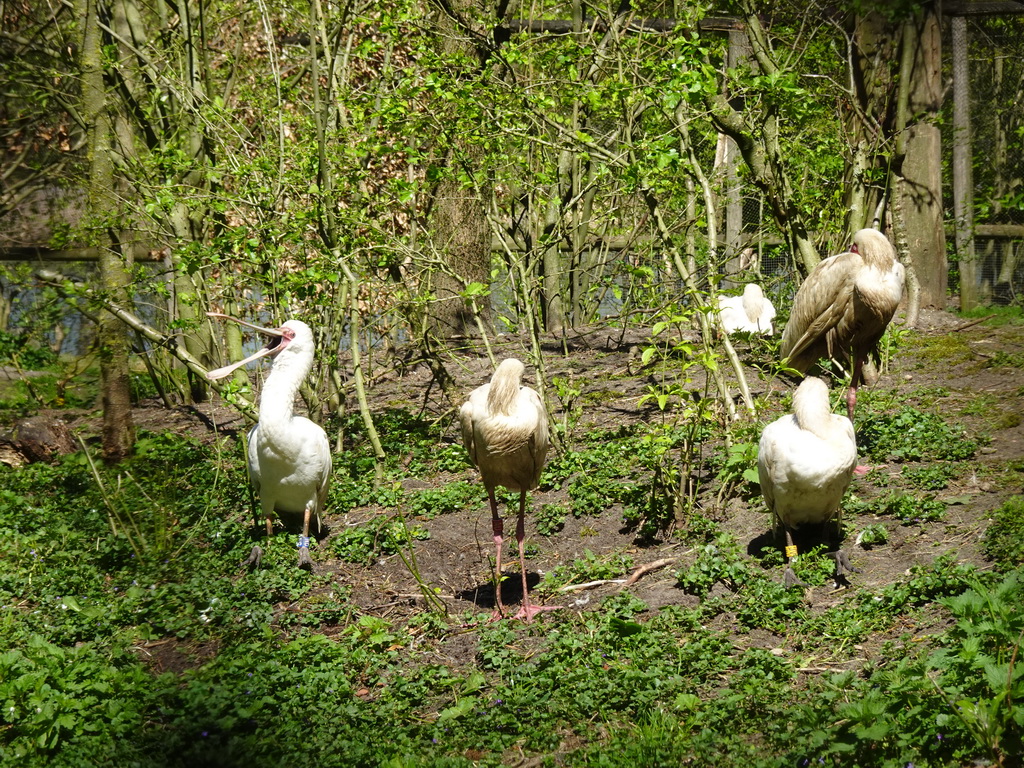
x=589 y=584
x=643 y=570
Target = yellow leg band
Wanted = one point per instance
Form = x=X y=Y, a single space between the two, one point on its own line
x=791 y=550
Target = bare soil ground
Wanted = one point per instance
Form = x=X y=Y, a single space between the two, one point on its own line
x=944 y=354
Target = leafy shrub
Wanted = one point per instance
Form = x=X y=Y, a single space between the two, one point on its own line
x=452 y=497
x=17 y=348
x=933 y=477
x=947 y=707
x=912 y=435
x=1004 y=538
x=550 y=519
x=383 y=535
x=590 y=567
x=904 y=507
x=719 y=561
x=872 y=535
x=58 y=699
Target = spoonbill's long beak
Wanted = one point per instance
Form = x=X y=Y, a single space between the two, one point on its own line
x=273 y=347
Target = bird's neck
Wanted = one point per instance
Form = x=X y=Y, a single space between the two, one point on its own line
x=501 y=395
x=812 y=415
x=879 y=258
x=753 y=305
x=277 y=402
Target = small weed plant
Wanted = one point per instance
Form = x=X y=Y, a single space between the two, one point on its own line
x=912 y=435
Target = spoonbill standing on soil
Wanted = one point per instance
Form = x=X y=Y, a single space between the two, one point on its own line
x=289 y=455
x=805 y=462
x=843 y=308
x=751 y=312
x=505 y=431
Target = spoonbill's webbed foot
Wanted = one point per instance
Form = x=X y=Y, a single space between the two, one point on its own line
x=305 y=561
x=529 y=610
x=843 y=566
x=254 y=559
x=790 y=579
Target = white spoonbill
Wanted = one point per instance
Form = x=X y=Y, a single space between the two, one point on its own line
x=289 y=455
x=505 y=431
x=843 y=308
x=805 y=462
x=751 y=312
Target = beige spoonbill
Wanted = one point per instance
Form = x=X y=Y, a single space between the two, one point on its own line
x=505 y=431
x=751 y=312
x=843 y=307
x=289 y=455
x=805 y=462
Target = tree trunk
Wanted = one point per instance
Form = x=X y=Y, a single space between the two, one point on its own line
x=871 y=121
x=187 y=219
x=118 y=431
x=922 y=165
x=963 y=172
x=762 y=151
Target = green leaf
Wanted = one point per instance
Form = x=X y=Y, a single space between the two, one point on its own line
x=460 y=709
x=624 y=628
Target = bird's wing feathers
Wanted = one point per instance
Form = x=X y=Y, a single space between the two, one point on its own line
x=253 y=459
x=467 y=419
x=820 y=305
x=541 y=438
x=765 y=459
x=326 y=463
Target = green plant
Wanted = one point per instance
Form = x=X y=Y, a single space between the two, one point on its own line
x=904 y=507
x=21 y=351
x=1003 y=359
x=1003 y=541
x=873 y=535
x=383 y=535
x=590 y=567
x=719 y=561
x=933 y=477
x=60 y=699
x=568 y=393
x=450 y=498
x=549 y=519
x=739 y=470
x=912 y=435
x=979 y=672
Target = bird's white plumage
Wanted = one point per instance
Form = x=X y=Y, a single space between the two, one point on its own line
x=505 y=431
x=289 y=456
x=805 y=460
x=751 y=312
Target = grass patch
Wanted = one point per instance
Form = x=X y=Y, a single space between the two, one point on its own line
x=947 y=349
x=1004 y=538
x=997 y=316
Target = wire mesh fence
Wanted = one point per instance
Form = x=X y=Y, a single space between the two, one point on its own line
x=993 y=48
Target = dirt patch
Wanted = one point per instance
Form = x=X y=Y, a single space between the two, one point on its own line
x=172 y=655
